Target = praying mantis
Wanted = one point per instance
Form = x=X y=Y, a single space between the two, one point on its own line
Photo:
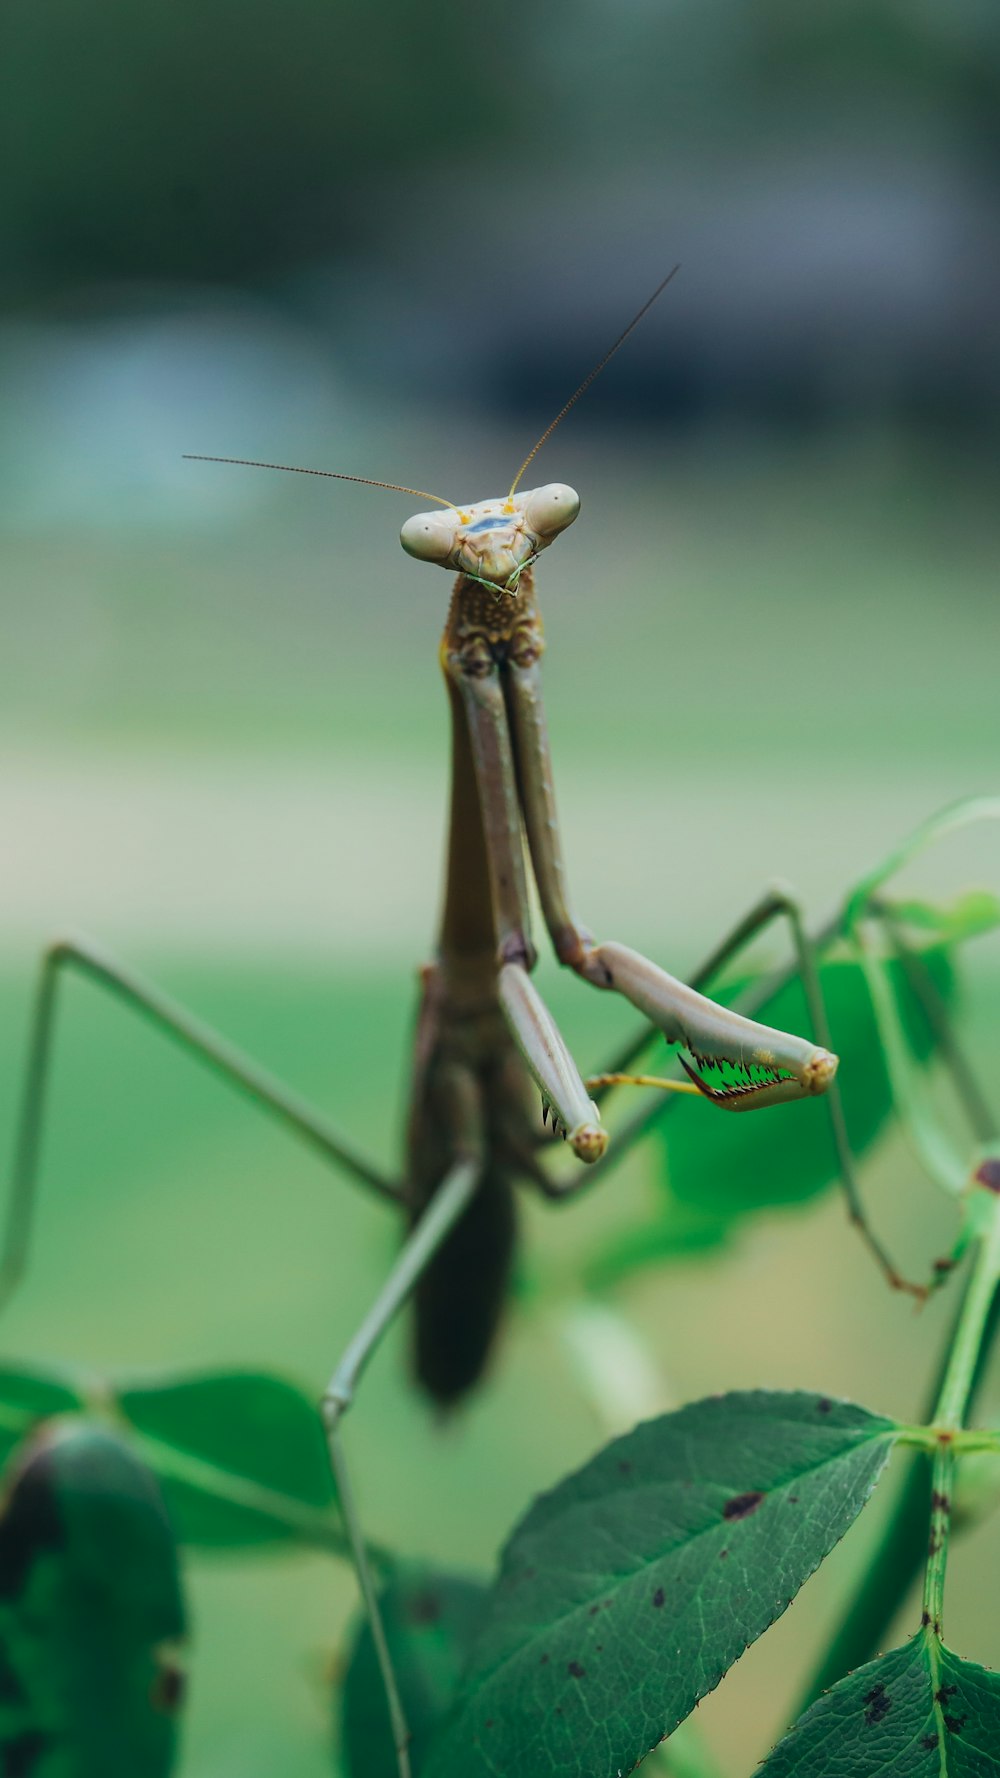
x=487 y=1048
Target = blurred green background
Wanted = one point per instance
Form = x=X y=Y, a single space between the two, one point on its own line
x=391 y=241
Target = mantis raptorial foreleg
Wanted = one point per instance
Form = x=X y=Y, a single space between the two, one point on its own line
x=479 y=687
x=198 y=1039
x=564 y=1095
x=770 y=1066
x=739 y=1064
x=775 y=902
x=499 y=687
x=559 y=1080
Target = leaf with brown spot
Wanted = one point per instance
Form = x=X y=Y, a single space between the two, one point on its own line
x=877 y=1704
x=890 y=1717
x=643 y=1525
x=742 y=1505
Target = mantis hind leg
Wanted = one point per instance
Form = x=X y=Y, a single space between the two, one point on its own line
x=198 y=1039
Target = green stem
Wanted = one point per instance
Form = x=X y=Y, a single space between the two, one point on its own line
x=927 y=1439
x=973 y=1317
x=897 y=1561
x=953 y=1402
x=942 y=1479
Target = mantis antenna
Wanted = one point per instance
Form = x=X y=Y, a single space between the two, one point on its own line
x=592 y=375
x=368 y=481
x=336 y=474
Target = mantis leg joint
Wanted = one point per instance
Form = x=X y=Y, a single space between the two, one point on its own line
x=337 y=1398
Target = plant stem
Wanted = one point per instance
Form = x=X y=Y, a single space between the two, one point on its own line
x=896 y=1563
x=973 y=1317
x=942 y=1479
x=953 y=1402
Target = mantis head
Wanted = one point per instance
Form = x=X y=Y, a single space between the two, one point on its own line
x=494 y=540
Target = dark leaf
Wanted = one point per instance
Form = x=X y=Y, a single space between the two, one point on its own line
x=29 y=1393
x=627 y=1591
x=92 y=1614
x=430 y=1617
x=919 y=1711
x=241 y=1457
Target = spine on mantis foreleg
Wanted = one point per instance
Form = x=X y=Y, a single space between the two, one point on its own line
x=91 y=1613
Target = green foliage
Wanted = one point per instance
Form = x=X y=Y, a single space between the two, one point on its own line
x=218 y=199
x=624 y=1594
x=430 y=1617
x=29 y=1394
x=627 y=1592
x=241 y=1456
x=970 y=915
x=90 y=1610
x=919 y=1711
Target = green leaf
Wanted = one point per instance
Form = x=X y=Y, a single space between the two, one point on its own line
x=626 y=1593
x=679 y=1231
x=733 y=1165
x=241 y=1457
x=430 y=1617
x=91 y=1612
x=919 y=1711
x=28 y=1394
x=971 y=914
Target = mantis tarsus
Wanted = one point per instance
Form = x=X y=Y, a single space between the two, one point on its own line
x=486 y=1044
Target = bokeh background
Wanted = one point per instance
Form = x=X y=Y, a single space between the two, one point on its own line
x=391 y=240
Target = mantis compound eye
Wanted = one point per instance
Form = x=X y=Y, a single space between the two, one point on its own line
x=430 y=536
x=550 y=509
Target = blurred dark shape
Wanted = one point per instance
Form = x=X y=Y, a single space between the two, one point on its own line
x=179 y=140
x=834 y=291
x=443 y=192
